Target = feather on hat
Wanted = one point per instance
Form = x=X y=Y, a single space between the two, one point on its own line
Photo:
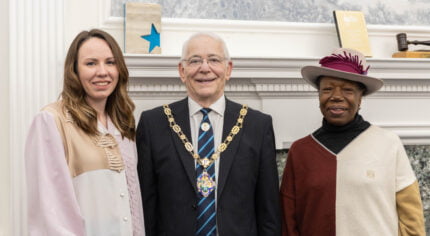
x=345 y=64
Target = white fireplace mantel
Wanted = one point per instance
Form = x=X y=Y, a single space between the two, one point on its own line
x=267 y=58
x=274 y=85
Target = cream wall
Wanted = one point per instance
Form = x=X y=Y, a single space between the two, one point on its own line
x=80 y=15
x=4 y=119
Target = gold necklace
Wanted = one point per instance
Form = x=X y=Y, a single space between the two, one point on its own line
x=205 y=162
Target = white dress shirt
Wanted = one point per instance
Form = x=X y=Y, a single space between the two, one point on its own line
x=216 y=117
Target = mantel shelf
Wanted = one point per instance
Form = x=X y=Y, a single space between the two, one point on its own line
x=162 y=66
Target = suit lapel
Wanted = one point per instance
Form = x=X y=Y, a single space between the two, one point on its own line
x=181 y=114
x=230 y=117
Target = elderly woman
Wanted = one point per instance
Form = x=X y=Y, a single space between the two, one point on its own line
x=348 y=177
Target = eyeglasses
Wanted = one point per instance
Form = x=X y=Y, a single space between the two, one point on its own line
x=198 y=61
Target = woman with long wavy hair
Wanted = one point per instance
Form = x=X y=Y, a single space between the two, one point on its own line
x=80 y=151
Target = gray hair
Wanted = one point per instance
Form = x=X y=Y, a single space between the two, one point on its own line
x=210 y=35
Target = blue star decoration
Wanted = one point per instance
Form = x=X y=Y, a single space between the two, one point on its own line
x=153 y=38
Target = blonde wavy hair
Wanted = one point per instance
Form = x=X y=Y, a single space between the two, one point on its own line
x=119 y=106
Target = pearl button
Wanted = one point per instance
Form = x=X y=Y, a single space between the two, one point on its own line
x=125 y=219
x=122 y=195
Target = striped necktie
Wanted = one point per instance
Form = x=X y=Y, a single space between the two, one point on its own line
x=206 y=214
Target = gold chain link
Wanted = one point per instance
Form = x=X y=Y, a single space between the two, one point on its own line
x=205 y=162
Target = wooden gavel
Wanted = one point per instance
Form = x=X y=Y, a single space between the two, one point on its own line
x=402 y=42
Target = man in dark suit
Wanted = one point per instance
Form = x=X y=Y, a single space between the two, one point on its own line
x=207 y=165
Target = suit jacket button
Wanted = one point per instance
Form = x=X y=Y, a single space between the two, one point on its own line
x=194 y=206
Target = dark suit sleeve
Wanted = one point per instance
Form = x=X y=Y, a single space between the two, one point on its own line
x=267 y=193
x=147 y=176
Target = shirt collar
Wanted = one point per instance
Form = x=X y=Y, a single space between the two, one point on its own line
x=101 y=128
x=110 y=129
x=218 y=106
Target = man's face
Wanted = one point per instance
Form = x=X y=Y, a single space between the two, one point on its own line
x=339 y=100
x=205 y=70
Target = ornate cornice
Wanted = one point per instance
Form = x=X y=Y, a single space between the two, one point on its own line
x=156 y=75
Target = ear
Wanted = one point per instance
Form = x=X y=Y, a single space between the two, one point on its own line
x=181 y=72
x=229 y=70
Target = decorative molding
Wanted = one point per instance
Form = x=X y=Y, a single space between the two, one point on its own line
x=268 y=38
x=278 y=27
x=411 y=134
x=106 y=21
x=277 y=76
x=36 y=51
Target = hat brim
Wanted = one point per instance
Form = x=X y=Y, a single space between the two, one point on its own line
x=311 y=74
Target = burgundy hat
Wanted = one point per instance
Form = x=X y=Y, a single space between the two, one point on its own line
x=343 y=63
